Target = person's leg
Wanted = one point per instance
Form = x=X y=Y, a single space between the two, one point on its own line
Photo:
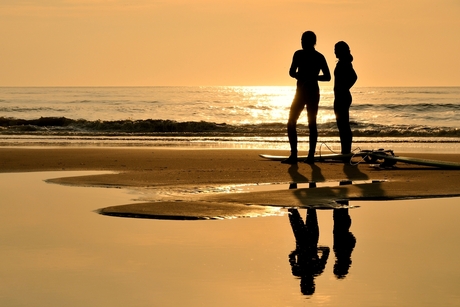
x=342 y=115
x=312 y=111
x=346 y=134
x=294 y=114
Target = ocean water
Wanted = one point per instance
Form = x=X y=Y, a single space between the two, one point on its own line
x=219 y=115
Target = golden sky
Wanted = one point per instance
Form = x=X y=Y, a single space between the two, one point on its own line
x=223 y=42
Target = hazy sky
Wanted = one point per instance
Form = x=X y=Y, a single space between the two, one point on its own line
x=223 y=42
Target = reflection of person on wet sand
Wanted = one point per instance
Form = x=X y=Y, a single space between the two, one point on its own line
x=308 y=260
x=344 y=242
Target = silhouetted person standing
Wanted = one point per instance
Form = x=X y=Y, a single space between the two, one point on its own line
x=307 y=63
x=345 y=78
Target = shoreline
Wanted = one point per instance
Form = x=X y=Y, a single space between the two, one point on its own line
x=200 y=172
x=443 y=145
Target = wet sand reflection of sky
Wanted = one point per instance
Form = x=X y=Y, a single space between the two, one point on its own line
x=60 y=252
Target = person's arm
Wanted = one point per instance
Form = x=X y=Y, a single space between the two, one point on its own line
x=353 y=77
x=326 y=76
x=346 y=77
x=293 y=68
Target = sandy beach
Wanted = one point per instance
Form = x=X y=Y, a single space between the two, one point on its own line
x=205 y=169
x=59 y=251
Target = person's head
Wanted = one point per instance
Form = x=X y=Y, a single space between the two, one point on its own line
x=342 y=51
x=308 y=40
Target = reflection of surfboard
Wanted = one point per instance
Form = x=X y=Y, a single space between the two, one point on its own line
x=424 y=162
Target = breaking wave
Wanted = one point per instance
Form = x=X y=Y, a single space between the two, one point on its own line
x=157 y=127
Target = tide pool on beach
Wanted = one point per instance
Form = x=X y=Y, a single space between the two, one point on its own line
x=59 y=251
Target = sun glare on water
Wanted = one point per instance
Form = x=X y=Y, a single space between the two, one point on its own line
x=270 y=104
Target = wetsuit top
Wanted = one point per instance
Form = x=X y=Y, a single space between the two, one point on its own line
x=344 y=76
x=306 y=66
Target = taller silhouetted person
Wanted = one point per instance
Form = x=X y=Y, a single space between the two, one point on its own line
x=344 y=78
x=307 y=64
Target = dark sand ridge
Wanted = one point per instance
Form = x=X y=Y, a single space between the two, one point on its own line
x=205 y=168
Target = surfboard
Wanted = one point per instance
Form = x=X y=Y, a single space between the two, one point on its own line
x=302 y=158
x=384 y=157
x=423 y=162
x=334 y=157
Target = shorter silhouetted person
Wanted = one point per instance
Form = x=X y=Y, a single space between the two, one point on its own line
x=307 y=63
x=345 y=78
x=344 y=242
x=308 y=260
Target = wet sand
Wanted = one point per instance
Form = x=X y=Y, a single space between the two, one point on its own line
x=59 y=252
x=198 y=172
